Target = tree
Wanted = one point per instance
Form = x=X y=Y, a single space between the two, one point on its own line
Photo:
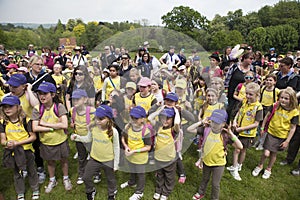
x=79 y=30
x=257 y=38
x=184 y=19
x=60 y=28
x=70 y=24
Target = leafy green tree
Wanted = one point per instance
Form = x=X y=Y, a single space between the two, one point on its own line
x=185 y=19
x=70 y=24
x=79 y=30
x=60 y=28
x=257 y=38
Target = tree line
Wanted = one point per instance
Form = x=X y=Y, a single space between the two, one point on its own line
x=271 y=26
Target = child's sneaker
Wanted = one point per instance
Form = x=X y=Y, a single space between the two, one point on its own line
x=125 y=185
x=50 y=186
x=21 y=197
x=256 y=171
x=163 y=197
x=41 y=174
x=259 y=147
x=232 y=168
x=156 y=196
x=136 y=196
x=79 y=181
x=236 y=175
x=284 y=162
x=91 y=195
x=97 y=178
x=68 y=184
x=35 y=195
x=182 y=179
x=266 y=174
x=23 y=173
x=75 y=156
x=198 y=196
x=295 y=172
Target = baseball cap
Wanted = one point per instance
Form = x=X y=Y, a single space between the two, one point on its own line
x=196 y=58
x=12 y=65
x=219 y=116
x=16 y=80
x=182 y=67
x=106 y=70
x=77 y=94
x=272 y=49
x=46 y=87
x=138 y=112
x=130 y=85
x=22 y=69
x=172 y=96
x=104 y=111
x=77 y=48
x=168 y=112
x=180 y=83
x=145 y=81
x=10 y=100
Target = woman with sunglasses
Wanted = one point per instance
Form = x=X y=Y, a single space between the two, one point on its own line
x=125 y=67
x=235 y=76
x=81 y=80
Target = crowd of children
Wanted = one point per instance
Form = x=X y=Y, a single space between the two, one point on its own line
x=133 y=114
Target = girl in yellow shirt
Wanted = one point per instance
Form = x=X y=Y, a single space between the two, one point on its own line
x=50 y=120
x=18 y=139
x=280 y=129
x=213 y=159
x=165 y=152
x=137 y=142
x=105 y=151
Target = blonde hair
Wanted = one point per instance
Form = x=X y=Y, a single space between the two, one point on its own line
x=21 y=114
x=249 y=73
x=293 y=99
x=254 y=87
x=134 y=71
x=33 y=59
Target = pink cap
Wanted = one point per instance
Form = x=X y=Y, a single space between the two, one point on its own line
x=10 y=66
x=145 y=81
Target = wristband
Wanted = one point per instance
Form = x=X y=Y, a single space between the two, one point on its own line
x=51 y=130
x=138 y=150
x=262 y=128
x=234 y=138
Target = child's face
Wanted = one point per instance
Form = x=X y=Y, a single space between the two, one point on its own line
x=102 y=122
x=251 y=96
x=45 y=97
x=202 y=83
x=179 y=91
x=169 y=103
x=96 y=71
x=213 y=62
x=211 y=98
x=57 y=69
x=216 y=128
x=144 y=90
x=79 y=102
x=113 y=72
x=111 y=96
x=154 y=86
x=284 y=100
x=10 y=110
x=17 y=91
x=136 y=121
x=130 y=91
x=270 y=82
x=133 y=77
x=167 y=122
x=248 y=78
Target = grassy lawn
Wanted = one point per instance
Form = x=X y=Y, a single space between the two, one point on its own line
x=281 y=185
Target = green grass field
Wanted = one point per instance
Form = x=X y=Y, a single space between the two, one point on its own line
x=281 y=185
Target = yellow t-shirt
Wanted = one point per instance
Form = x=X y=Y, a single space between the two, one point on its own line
x=247 y=116
x=17 y=132
x=144 y=102
x=280 y=123
x=102 y=146
x=135 y=141
x=27 y=108
x=213 y=150
x=210 y=108
x=165 y=147
x=56 y=137
x=58 y=79
x=110 y=87
x=125 y=113
x=267 y=98
x=199 y=99
x=242 y=92
x=98 y=82
x=80 y=122
x=181 y=103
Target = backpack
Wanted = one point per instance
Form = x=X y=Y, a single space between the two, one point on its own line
x=275 y=105
x=152 y=134
x=87 y=115
x=55 y=109
x=24 y=122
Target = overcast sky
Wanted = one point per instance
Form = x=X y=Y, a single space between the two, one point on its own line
x=41 y=11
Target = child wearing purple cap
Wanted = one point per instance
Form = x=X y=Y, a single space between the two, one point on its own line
x=168 y=127
x=213 y=159
x=50 y=120
x=105 y=151
x=81 y=117
x=137 y=142
x=17 y=137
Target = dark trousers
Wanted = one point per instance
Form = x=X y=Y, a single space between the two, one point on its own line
x=137 y=176
x=82 y=155
x=32 y=175
x=165 y=177
x=294 y=146
x=38 y=159
x=92 y=168
x=217 y=172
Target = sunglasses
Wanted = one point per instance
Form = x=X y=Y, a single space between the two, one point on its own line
x=79 y=73
x=248 y=77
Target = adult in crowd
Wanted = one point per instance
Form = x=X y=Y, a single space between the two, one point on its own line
x=286 y=77
x=37 y=74
x=61 y=57
x=48 y=57
x=107 y=58
x=171 y=59
x=235 y=76
x=145 y=66
x=182 y=57
x=81 y=80
x=258 y=59
x=125 y=67
x=31 y=51
x=225 y=58
x=78 y=58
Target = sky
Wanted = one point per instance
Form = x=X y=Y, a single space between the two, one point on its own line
x=41 y=12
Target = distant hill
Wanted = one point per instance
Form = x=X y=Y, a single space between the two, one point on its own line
x=30 y=25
